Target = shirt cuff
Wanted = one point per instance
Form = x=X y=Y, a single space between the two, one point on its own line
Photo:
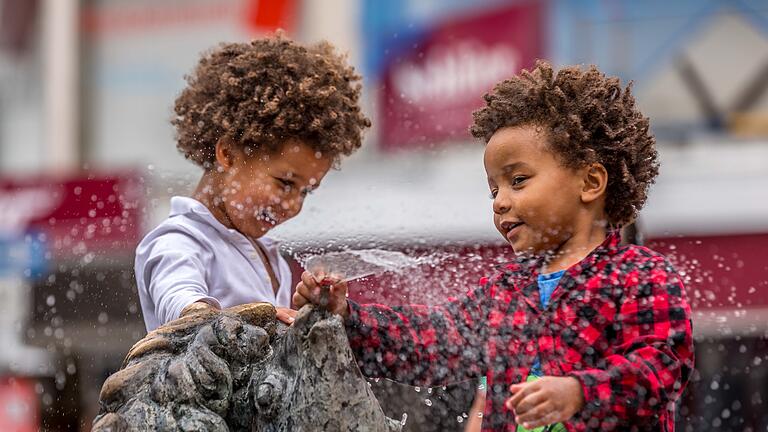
x=197 y=298
x=596 y=388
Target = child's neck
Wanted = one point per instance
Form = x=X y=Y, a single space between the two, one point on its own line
x=575 y=248
x=207 y=192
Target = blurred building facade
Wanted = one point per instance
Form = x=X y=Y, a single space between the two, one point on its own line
x=86 y=94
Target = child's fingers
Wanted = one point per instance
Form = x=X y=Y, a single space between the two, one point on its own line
x=339 y=289
x=549 y=418
x=329 y=279
x=304 y=295
x=303 y=289
x=519 y=391
x=309 y=280
x=330 y=293
x=532 y=412
x=338 y=297
x=321 y=277
x=312 y=290
x=286 y=315
x=530 y=403
x=298 y=299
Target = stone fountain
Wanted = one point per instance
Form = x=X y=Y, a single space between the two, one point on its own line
x=242 y=370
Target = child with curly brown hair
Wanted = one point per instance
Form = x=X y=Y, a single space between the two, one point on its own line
x=265 y=120
x=581 y=332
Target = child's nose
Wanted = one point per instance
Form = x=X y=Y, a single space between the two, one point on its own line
x=501 y=204
x=292 y=206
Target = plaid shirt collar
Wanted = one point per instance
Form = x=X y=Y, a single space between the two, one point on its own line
x=522 y=274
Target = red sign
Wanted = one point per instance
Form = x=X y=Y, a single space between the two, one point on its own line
x=75 y=215
x=430 y=92
x=259 y=16
x=19 y=408
x=265 y=16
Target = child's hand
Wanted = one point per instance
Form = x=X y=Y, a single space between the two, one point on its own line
x=325 y=291
x=286 y=315
x=545 y=401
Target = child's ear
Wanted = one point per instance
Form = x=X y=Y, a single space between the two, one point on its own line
x=595 y=182
x=224 y=153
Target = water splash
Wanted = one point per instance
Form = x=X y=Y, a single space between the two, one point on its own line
x=355 y=264
x=423 y=275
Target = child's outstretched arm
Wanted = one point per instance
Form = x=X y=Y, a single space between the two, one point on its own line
x=173 y=274
x=653 y=359
x=414 y=344
x=175 y=277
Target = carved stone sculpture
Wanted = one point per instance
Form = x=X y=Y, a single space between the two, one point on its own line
x=242 y=370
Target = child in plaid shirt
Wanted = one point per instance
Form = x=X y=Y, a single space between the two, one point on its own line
x=580 y=333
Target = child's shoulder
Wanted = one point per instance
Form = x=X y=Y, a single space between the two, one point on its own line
x=639 y=265
x=175 y=232
x=633 y=256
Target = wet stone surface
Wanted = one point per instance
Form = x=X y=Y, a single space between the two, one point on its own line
x=242 y=370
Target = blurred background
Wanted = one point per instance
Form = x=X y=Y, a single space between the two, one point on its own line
x=88 y=164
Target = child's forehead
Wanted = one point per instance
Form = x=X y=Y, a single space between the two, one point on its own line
x=289 y=151
x=292 y=160
x=521 y=148
x=520 y=142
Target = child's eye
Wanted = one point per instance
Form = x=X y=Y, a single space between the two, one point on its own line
x=288 y=185
x=306 y=191
x=517 y=180
x=493 y=193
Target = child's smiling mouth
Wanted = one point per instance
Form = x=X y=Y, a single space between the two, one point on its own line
x=511 y=228
x=267 y=216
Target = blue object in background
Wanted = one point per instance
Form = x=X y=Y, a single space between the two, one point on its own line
x=391 y=27
x=627 y=38
x=633 y=39
x=23 y=255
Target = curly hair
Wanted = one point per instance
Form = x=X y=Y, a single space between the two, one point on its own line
x=263 y=93
x=589 y=118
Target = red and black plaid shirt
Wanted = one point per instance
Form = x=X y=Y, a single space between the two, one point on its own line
x=618 y=321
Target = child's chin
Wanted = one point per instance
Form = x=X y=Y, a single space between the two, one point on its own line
x=516 y=247
x=264 y=228
x=520 y=248
x=257 y=230
x=523 y=252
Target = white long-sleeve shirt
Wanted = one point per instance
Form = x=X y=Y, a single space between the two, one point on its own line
x=192 y=257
